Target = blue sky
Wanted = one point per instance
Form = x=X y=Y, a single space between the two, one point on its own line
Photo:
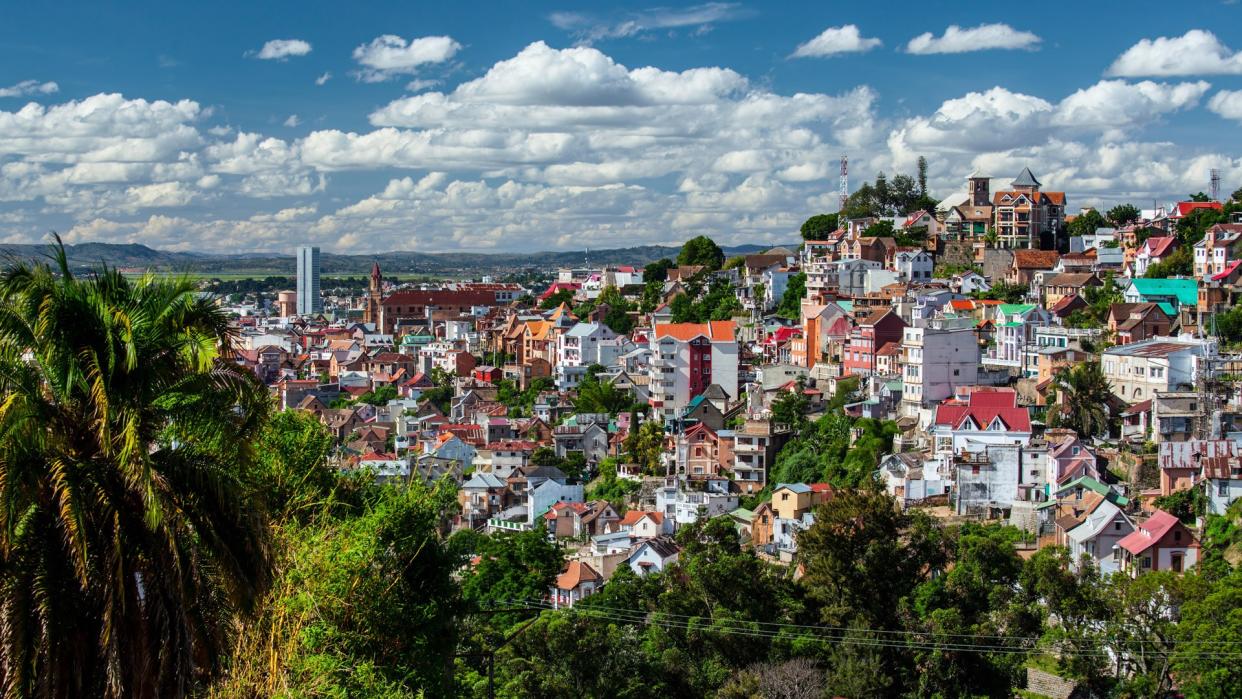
x=505 y=126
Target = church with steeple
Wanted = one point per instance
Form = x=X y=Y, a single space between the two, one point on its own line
x=375 y=298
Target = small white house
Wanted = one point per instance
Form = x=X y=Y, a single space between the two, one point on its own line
x=654 y=555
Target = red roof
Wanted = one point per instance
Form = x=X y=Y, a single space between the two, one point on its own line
x=962 y=305
x=1159 y=246
x=1148 y=532
x=783 y=335
x=1184 y=208
x=575 y=574
x=1228 y=271
x=983 y=406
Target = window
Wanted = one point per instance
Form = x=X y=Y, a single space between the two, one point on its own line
x=784 y=496
x=1116 y=526
x=1146 y=564
x=1222 y=488
x=1177 y=535
x=1177 y=562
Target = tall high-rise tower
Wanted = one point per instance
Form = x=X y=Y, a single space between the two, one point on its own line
x=309 y=301
x=843 y=186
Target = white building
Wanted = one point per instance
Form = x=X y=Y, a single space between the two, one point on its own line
x=687 y=358
x=1137 y=370
x=309 y=299
x=913 y=265
x=937 y=359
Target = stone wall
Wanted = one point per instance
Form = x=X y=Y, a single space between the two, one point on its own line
x=996 y=263
x=1046 y=684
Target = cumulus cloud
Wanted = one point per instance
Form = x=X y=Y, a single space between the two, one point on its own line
x=551 y=147
x=981 y=38
x=1197 y=52
x=835 y=40
x=389 y=55
x=283 y=49
x=1227 y=103
x=589 y=27
x=323 y=79
x=29 y=87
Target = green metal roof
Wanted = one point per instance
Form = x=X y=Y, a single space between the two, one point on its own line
x=1092 y=484
x=1019 y=308
x=1186 y=291
x=1168 y=309
x=847 y=306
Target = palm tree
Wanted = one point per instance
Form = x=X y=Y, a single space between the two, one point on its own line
x=128 y=545
x=1085 y=394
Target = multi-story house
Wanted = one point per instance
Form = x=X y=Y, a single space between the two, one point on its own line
x=755 y=445
x=1221 y=245
x=969 y=216
x=702 y=451
x=865 y=340
x=1027 y=217
x=1136 y=371
x=1029 y=264
x=822 y=324
x=913 y=265
x=686 y=359
x=1154 y=250
x=1067 y=284
x=1175 y=292
x=1135 y=322
x=1097 y=534
x=1016 y=324
x=937 y=359
x=979 y=416
x=1161 y=542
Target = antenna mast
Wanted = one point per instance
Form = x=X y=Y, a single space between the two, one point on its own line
x=843 y=190
x=1214 y=185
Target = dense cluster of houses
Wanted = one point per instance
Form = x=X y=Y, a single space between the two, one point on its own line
x=418 y=382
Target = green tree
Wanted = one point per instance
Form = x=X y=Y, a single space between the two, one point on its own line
x=130 y=547
x=922 y=170
x=595 y=396
x=701 y=250
x=291 y=471
x=644 y=445
x=364 y=605
x=1001 y=290
x=1085 y=394
x=658 y=271
x=556 y=299
x=1177 y=264
x=1124 y=214
x=880 y=229
x=819 y=226
x=1210 y=621
x=790 y=305
x=1086 y=223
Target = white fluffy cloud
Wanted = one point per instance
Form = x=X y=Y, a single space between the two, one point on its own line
x=29 y=87
x=981 y=38
x=553 y=147
x=389 y=55
x=282 y=49
x=1227 y=103
x=1197 y=52
x=835 y=40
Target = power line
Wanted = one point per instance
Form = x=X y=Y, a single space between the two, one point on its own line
x=913 y=640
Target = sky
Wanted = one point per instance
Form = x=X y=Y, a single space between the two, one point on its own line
x=505 y=126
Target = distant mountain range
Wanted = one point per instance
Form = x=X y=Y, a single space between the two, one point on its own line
x=140 y=257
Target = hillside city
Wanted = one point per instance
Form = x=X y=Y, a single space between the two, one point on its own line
x=977 y=446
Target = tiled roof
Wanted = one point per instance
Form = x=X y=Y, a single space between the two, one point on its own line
x=716 y=330
x=983 y=406
x=1159 y=246
x=576 y=573
x=1148 y=532
x=1035 y=259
